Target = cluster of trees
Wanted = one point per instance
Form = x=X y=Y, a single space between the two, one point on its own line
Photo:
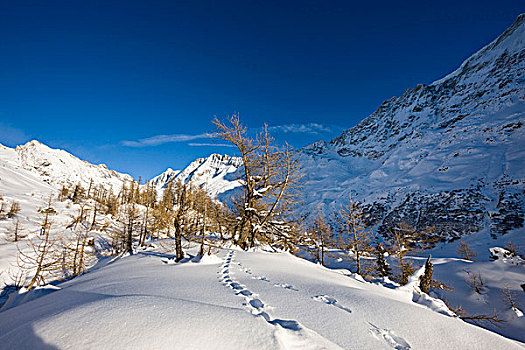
x=11 y=213
x=136 y=213
x=348 y=232
x=127 y=219
x=14 y=208
x=56 y=252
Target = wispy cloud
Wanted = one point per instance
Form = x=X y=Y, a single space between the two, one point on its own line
x=210 y=144
x=310 y=128
x=162 y=139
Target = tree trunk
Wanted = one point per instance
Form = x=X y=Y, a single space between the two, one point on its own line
x=358 y=258
x=40 y=261
x=178 y=241
x=82 y=251
x=129 y=240
x=322 y=251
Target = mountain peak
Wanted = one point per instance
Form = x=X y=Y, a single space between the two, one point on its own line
x=34 y=143
x=511 y=41
x=59 y=167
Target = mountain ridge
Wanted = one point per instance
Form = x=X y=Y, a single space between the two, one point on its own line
x=215 y=173
x=456 y=143
x=452 y=150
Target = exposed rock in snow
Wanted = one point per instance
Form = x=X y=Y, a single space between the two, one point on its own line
x=498 y=253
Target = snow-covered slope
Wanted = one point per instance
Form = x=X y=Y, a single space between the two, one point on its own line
x=58 y=167
x=215 y=173
x=25 y=187
x=29 y=175
x=249 y=300
x=449 y=155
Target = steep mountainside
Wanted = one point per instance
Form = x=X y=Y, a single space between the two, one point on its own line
x=449 y=155
x=214 y=173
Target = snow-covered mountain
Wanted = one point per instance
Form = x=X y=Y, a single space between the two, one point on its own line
x=215 y=173
x=450 y=154
x=160 y=181
x=30 y=173
x=58 y=167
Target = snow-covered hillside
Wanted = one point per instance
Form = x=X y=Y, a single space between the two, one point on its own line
x=215 y=173
x=29 y=175
x=449 y=155
x=244 y=300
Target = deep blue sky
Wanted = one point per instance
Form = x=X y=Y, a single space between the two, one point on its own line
x=89 y=76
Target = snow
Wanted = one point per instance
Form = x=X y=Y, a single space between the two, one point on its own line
x=246 y=300
x=29 y=175
x=258 y=300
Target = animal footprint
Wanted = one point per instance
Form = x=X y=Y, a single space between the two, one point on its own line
x=331 y=301
x=261 y=278
x=388 y=336
x=286 y=286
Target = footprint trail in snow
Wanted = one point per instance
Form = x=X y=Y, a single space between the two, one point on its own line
x=289 y=333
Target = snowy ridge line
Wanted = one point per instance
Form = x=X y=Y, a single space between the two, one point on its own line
x=58 y=167
x=491 y=46
x=289 y=333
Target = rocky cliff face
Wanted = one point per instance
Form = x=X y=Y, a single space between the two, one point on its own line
x=449 y=155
